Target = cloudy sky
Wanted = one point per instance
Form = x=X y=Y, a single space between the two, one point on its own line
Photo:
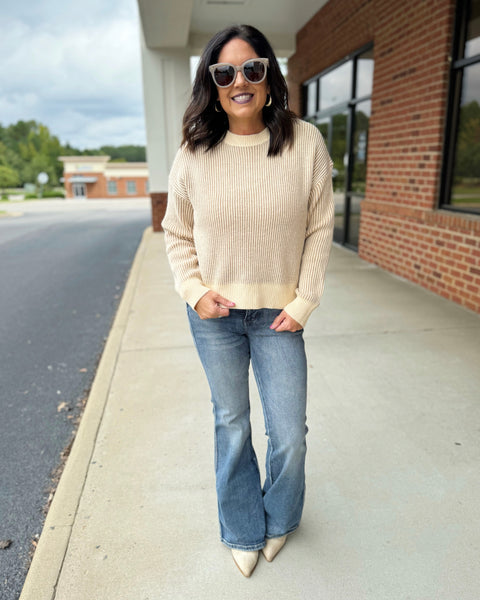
x=75 y=67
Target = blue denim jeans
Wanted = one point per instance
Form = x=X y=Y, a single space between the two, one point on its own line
x=248 y=513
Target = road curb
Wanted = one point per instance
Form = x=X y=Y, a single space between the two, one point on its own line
x=10 y=215
x=42 y=577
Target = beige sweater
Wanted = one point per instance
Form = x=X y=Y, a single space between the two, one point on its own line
x=255 y=229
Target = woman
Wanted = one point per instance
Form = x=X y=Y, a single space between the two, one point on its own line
x=248 y=231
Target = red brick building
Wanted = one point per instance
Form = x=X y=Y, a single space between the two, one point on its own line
x=395 y=89
x=96 y=177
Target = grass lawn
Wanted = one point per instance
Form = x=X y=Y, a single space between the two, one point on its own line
x=466 y=194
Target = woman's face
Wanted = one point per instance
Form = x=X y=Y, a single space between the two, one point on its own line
x=242 y=101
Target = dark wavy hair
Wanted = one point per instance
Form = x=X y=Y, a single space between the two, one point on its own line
x=203 y=126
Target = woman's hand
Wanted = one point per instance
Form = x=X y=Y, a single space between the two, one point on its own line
x=284 y=322
x=213 y=306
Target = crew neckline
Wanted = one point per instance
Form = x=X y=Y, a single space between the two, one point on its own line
x=254 y=139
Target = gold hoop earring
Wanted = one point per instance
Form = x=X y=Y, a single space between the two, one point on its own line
x=269 y=103
x=217 y=109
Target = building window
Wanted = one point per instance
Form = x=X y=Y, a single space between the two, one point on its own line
x=461 y=173
x=131 y=187
x=338 y=102
x=147 y=186
x=336 y=86
x=112 y=188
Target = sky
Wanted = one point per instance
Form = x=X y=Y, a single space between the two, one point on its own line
x=74 y=67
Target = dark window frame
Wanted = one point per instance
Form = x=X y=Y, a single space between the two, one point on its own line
x=458 y=64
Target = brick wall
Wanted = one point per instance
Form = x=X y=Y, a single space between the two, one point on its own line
x=99 y=189
x=159 y=207
x=122 y=187
x=401 y=230
x=438 y=250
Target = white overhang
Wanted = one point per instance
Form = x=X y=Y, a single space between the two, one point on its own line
x=82 y=179
x=84 y=159
x=190 y=23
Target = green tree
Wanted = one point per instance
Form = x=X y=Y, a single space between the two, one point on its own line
x=9 y=158
x=467 y=162
x=128 y=153
x=39 y=152
x=28 y=148
x=8 y=178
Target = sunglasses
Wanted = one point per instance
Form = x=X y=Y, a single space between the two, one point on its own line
x=253 y=70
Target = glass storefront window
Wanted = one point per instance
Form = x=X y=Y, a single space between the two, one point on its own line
x=335 y=131
x=472 y=46
x=354 y=220
x=312 y=98
x=338 y=150
x=358 y=181
x=466 y=173
x=339 y=157
x=360 y=143
x=342 y=114
x=364 y=74
x=336 y=86
x=460 y=186
x=323 y=126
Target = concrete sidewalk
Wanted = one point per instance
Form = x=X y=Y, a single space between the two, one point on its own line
x=393 y=483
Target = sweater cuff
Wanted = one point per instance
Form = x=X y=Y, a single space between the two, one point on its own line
x=192 y=290
x=300 y=309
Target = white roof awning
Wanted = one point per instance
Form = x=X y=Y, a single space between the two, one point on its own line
x=82 y=179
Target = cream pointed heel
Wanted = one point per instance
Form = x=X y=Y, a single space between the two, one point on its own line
x=246 y=561
x=273 y=547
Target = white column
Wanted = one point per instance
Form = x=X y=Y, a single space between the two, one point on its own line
x=166 y=90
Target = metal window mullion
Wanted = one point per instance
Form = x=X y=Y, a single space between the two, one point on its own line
x=466 y=62
x=355 y=101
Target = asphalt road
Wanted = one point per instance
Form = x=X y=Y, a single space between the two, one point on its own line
x=63 y=268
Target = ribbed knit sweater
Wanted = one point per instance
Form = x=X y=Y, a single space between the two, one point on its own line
x=257 y=229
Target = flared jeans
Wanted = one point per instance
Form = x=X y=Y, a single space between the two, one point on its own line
x=249 y=513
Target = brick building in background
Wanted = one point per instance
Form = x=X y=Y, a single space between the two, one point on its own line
x=95 y=177
x=395 y=89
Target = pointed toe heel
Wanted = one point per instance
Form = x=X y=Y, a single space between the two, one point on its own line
x=246 y=561
x=273 y=547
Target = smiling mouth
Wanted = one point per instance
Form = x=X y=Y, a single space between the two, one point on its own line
x=242 y=98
